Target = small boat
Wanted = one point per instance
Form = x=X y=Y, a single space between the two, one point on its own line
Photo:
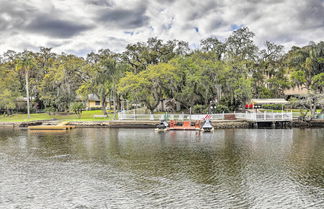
x=162 y=126
x=179 y=125
x=185 y=125
x=207 y=127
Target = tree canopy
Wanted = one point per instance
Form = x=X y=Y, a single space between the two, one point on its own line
x=227 y=73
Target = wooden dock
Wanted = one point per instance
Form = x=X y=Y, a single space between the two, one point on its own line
x=60 y=126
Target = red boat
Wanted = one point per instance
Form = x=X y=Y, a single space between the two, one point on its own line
x=198 y=125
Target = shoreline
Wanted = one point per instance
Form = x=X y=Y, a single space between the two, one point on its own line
x=218 y=124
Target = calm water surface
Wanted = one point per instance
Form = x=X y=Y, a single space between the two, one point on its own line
x=138 y=168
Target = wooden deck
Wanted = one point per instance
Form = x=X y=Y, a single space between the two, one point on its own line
x=60 y=126
x=50 y=127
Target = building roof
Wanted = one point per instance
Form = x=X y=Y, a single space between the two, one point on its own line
x=93 y=97
x=269 y=101
x=296 y=91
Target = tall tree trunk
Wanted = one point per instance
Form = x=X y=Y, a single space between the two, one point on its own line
x=114 y=98
x=313 y=107
x=103 y=103
x=119 y=103
x=162 y=105
x=27 y=92
x=8 y=112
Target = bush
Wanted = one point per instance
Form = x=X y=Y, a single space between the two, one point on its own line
x=50 y=110
x=273 y=106
x=221 y=109
x=199 y=109
x=77 y=108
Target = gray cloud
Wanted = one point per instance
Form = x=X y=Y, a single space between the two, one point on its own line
x=311 y=15
x=25 y=18
x=79 y=25
x=124 y=18
x=107 y=3
x=13 y=15
x=53 y=27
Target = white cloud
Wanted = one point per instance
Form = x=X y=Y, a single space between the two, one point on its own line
x=81 y=26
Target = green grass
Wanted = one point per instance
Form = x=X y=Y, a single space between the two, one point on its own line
x=86 y=116
x=296 y=112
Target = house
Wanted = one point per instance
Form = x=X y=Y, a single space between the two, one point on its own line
x=94 y=102
x=258 y=103
x=21 y=103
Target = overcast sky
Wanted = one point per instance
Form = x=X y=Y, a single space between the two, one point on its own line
x=82 y=26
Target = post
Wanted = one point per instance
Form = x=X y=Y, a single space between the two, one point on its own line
x=282 y=115
x=273 y=125
x=114 y=98
x=135 y=114
x=27 y=92
x=190 y=114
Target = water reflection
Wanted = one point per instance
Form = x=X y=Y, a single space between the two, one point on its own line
x=123 y=168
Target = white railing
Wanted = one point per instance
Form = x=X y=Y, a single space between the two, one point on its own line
x=266 y=116
x=134 y=116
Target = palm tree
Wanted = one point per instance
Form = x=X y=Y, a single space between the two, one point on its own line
x=25 y=64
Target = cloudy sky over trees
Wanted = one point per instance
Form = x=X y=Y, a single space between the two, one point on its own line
x=82 y=26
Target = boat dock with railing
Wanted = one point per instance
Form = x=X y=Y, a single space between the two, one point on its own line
x=255 y=119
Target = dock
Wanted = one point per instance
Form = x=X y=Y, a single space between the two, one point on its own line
x=60 y=126
x=268 y=119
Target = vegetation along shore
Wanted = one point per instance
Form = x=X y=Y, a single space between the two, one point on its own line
x=219 y=76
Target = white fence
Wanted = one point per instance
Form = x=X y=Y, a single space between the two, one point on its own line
x=266 y=116
x=134 y=116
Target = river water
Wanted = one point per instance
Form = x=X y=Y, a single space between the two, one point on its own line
x=139 y=168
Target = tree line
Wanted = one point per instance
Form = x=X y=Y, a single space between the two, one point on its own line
x=228 y=73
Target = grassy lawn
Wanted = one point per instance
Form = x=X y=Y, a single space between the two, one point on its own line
x=296 y=112
x=86 y=116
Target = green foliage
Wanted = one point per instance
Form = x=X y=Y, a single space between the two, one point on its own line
x=307 y=66
x=58 y=86
x=273 y=106
x=77 y=108
x=199 y=109
x=221 y=109
x=149 y=87
x=309 y=103
x=9 y=88
x=229 y=73
x=50 y=110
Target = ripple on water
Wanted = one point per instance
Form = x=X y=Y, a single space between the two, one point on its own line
x=127 y=168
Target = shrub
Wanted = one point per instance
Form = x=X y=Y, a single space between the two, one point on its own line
x=199 y=109
x=221 y=109
x=273 y=106
x=50 y=110
x=77 y=108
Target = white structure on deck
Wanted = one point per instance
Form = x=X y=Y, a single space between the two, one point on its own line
x=265 y=116
x=253 y=117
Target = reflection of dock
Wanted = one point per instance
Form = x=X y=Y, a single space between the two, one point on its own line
x=60 y=126
x=48 y=131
